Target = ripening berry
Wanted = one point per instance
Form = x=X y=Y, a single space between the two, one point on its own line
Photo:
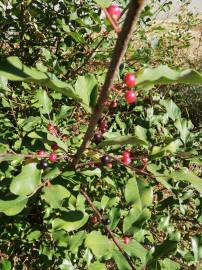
x=114 y=104
x=52 y=157
x=130 y=97
x=126 y=160
x=97 y=138
x=126 y=240
x=125 y=154
x=50 y=127
x=109 y=165
x=114 y=11
x=41 y=153
x=105 y=159
x=130 y=80
x=54 y=146
x=94 y=219
x=64 y=138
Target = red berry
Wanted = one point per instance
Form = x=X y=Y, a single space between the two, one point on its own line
x=126 y=160
x=105 y=103
x=50 y=127
x=41 y=153
x=52 y=157
x=114 y=104
x=103 y=126
x=126 y=240
x=94 y=219
x=130 y=97
x=54 y=146
x=114 y=11
x=125 y=154
x=109 y=165
x=130 y=80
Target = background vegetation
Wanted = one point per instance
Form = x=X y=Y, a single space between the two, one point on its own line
x=46 y=222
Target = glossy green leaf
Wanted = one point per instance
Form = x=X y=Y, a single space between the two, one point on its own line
x=13 y=207
x=103 y=3
x=97 y=266
x=135 y=249
x=86 y=89
x=55 y=195
x=122 y=140
x=160 y=177
x=76 y=240
x=168 y=264
x=70 y=221
x=172 y=109
x=183 y=127
x=45 y=102
x=13 y=69
x=121 y=262
x=27 y=181
x=139 y=193
x=5 y=265
x=99 y=244
x=165 y=75
x=188 y=176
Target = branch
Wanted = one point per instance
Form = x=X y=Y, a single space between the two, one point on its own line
x=109 y=232
x=121 y=46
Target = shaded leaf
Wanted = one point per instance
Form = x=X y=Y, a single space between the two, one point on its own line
x=13 y=207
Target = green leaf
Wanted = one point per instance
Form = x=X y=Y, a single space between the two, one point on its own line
x=172 y=109
x=76 y=241
x=27 y=181
x=164 y=75
x=103 y=3
x=34 y=235
x=70 y=221
x=137 y=250
x=13 y=207
x=141 y=134
x=160 y=177
x=95 y=172
x=66 y=265
x=97 y=266
x=135 y=218
x=57 y=140
x=13 y=69
x=183 y=127
x=139 y=193
x=186 y=175
x=121 y=262
x=54 y=195
x=168 y=264
x=77 y=37
x=44 y=101
x=122 y=140
x=5 y=265
x=86 y=89
x=114 y=216
x=99 y=244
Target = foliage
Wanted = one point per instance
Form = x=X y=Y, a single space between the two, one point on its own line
x=50 y=73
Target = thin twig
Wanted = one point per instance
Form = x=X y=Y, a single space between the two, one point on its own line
x=120 y=49
x=114 y=24
x=108 y=231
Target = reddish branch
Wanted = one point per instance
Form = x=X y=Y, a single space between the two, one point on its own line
x=119 y=52
x=114 y=24
x=108 y=231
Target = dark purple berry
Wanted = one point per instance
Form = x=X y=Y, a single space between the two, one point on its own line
x=106 y=221
x=43 y=164
x=105 y=159
x=97 y=138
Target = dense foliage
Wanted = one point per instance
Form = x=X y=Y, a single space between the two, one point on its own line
x=54 y=56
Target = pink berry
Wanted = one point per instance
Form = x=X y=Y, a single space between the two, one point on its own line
x=109 y=165
x=130 y=80
x=126 y=160
x=54 y=146
x=130 y=97
x=52 y=157
x=114 y=11
x=145 y=160
x=41 y=153
x=126 y=240
x=125 y=154
x=50 y=127
x=114 y=104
